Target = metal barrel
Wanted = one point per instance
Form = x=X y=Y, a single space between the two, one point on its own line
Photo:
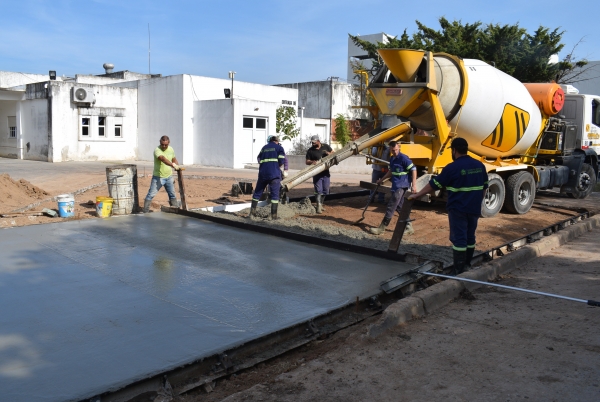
x=123 y=188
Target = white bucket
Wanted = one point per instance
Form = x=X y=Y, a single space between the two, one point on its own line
x=66 y=205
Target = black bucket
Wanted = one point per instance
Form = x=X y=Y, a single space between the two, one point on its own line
x=246 y=187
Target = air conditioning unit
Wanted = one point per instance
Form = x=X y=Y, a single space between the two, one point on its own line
x=83 y=95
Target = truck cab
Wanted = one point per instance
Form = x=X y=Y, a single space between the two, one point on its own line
x=584 y=112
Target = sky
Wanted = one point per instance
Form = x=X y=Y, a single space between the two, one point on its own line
x=267 y=42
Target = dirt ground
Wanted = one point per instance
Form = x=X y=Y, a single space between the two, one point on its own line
x=430 y=221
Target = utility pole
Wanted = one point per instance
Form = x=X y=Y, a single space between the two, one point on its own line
x=231 y=75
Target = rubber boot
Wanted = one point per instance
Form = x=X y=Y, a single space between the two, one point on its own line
x=379 y=230
x=323 y=202
x=173 y=202
x=460 y=259
x=146 y=208
x=469 y=257
x=319 y=204
x=274 y=207
x=253 y=209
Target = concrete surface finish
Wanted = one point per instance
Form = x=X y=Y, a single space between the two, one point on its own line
x=90 y=306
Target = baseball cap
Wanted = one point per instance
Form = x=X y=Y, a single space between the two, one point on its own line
x=314 y=138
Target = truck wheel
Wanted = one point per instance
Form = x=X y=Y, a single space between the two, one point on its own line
x=586 y=183
x=520 y=192
x=494 y=197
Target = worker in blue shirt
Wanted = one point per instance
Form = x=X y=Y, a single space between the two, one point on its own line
x=466 y=181
x=270 y=158
x=401 y=167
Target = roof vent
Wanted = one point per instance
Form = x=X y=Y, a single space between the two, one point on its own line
x=108 y=67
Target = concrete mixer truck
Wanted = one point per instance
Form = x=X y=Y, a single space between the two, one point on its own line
x=515 y=129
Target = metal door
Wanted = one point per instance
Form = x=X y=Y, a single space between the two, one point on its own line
x=255 y=136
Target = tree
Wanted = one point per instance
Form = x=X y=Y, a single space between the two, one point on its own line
x=509 y=48
x=285 y=122
x=342 y=131
x=571 y=70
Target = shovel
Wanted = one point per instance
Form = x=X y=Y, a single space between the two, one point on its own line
x=371 y=198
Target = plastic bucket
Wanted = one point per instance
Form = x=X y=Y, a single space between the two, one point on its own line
x=104 y=206
x=66 y=205
x=123 y=188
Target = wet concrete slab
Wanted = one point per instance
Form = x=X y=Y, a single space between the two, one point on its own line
x=91 y=306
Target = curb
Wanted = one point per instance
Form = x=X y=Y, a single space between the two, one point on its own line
x=437 y=296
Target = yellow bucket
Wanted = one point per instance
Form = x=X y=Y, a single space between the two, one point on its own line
x=104 y=206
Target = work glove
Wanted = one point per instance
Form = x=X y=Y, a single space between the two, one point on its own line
x=285 y=173
x=176 y=166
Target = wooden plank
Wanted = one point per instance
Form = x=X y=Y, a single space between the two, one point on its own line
x=401 y=224
x=181 y=189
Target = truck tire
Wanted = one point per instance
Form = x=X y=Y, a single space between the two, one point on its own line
x=586 y=183
x=494 y=197
x=520 y=192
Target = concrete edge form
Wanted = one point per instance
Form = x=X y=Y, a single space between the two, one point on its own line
x=437 y=296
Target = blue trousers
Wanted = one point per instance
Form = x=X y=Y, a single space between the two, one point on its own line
x=395 y=203
x=274 y=186
x=157 y=183
x=462 y=229
x=321 y=183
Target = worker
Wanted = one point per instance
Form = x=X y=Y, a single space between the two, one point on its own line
x=379 y=171
x=270 y=159
x=400 y=168
x=466 y=181
x=284 y=168
x=162 y=175
x=320 y=181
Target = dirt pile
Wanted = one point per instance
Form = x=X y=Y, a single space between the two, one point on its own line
x=15 y=194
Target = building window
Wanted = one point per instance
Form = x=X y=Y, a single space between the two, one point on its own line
x=248 y=122
x=261 y=123
x=101 y=126
x=118 y=130
x=85 y=126
x=12 y=126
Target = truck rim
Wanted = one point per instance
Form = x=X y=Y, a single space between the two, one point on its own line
x=492 y=198
x=524 y=194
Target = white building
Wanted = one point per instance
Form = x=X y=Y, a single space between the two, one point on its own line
x=357 y=54
x=122 y=115
x=589 y=81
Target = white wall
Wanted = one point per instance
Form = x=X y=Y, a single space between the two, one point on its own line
x=117 y=105
x=591 y=77
x=160 y=112
x=213 y=133
x=10 y=79
x=34 y=129
x=249 y=108
x=8 y=146
x=219 y=137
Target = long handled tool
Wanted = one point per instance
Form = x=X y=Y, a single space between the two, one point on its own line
x=458 y=278
x=371 y=198
x=181 y=188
